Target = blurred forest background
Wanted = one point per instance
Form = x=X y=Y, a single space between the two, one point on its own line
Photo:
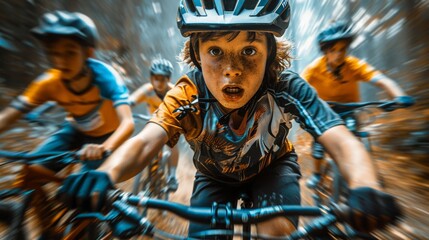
x=393 y=36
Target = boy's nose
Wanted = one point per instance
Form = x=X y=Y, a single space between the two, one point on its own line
x=232 y=71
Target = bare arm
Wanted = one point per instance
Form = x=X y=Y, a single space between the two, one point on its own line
x=124 y=130
x=135 y=154
x=391 y=87
x=8 y=116
x=138 y=96
x=351 y=156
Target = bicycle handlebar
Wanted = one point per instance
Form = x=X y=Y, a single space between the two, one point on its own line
x=346 y=108
x=123 y=208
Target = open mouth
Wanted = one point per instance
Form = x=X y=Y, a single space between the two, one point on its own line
x=232 y=90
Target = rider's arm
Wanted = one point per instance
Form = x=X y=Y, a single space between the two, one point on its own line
x=390 y=86
x=8 y=116
x=139 y=95
x=124 y=130
x=132 y=156
x=351 y=157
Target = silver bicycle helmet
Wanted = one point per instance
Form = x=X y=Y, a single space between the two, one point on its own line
x=161 y=67
x=62 y=23
x=335 y=32
x=233 y=15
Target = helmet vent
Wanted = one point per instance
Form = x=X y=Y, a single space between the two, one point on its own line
x=250 y=5
x=190 y=5
x=208 y=4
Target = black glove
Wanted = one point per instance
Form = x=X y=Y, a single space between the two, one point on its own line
x=371 y=209
x=405 y=101
x=86 y=191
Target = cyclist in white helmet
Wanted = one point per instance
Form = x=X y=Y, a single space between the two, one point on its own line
x=152 y=94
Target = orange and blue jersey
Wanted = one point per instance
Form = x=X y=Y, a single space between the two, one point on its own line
x=92 y=111
x=345 y=86
x=232 y=155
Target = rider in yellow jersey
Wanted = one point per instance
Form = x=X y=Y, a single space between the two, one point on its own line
x=152 y=94
x=99 y=117
x=336 y=76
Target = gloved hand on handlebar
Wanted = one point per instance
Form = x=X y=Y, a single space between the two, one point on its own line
x=371 y=209
x=405 y=101
x=86 y=191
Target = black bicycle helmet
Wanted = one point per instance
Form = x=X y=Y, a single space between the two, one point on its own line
x=62 y=23
x=161 y=67
x=233 y=15
x=335 y=32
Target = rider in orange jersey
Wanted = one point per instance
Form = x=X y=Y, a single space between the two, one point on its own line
x=235 y=108
x=99 y=116
x=152 y=94
x=336 y=76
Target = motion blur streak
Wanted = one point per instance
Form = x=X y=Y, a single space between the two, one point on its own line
x=393 y=37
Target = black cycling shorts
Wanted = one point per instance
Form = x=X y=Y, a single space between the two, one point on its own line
x=277 y=184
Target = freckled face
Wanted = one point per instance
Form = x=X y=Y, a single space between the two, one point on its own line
x=233 y=70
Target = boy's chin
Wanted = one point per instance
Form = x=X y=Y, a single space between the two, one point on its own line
x=228 y=107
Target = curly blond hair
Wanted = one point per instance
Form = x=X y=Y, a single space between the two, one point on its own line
x=275 y=65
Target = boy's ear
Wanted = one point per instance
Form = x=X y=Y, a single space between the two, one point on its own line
x=90 y=51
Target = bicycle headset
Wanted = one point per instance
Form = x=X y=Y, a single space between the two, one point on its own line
x=161 y=67
x=333 y=33
x=68 y=24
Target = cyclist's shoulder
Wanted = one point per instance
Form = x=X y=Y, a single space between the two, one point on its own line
x=353 y=61
x=103 y=72
x=317 y=63
x=189 y=82
x=50 y=79
x=292 y=84
x=48 y=76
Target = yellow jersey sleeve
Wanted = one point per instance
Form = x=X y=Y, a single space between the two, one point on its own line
x=362 y=70
x=177 y=114
x=38 y=92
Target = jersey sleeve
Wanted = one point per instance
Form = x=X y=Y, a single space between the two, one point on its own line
x=306 y=73
x=299 y=98
x=110 y=83
x=364 y=71
x=179 y=113
x=34 y=95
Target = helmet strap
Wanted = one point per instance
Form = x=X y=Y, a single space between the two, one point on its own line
x=193 y=56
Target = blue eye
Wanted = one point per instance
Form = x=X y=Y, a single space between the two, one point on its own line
x=249 y=51
x=215 y=51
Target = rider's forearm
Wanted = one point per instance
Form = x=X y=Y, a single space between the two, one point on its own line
x=391 y=87
x=8 y=116
x=355 y=164
x=126 y=161
x=121 y=134
x=351 y=156
x=135 y=154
